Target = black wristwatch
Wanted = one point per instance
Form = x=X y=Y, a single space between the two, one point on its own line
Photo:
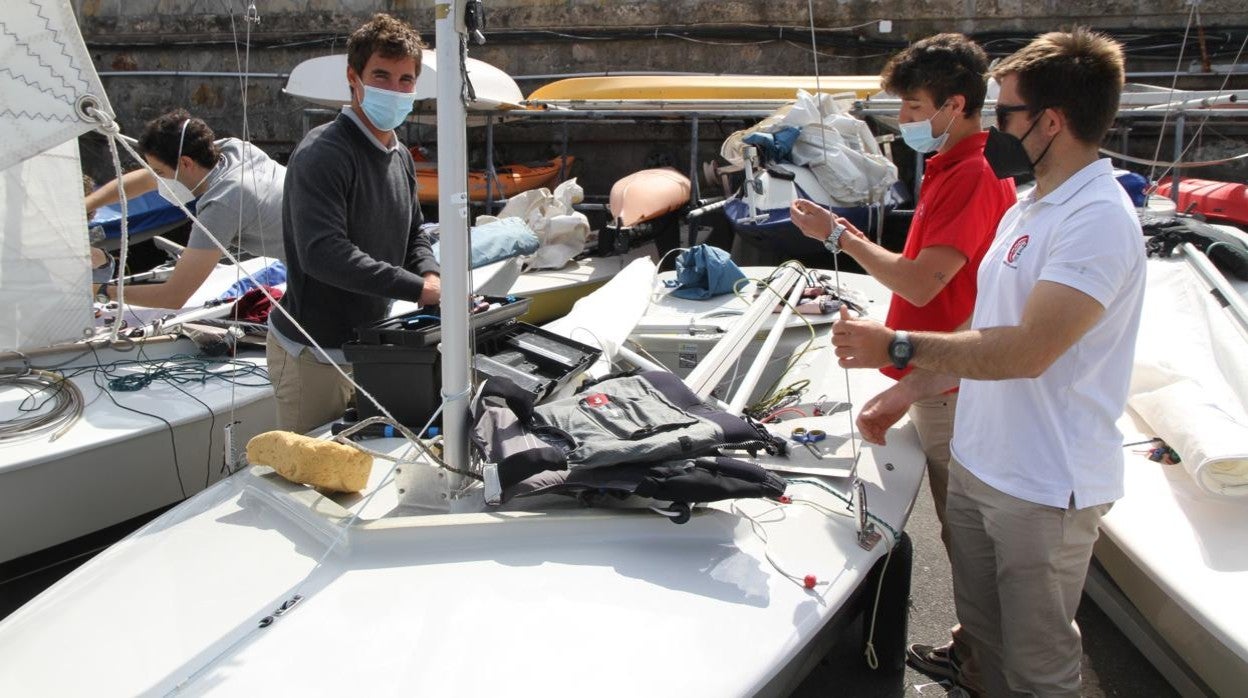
x=101 y=293
x=900 y=350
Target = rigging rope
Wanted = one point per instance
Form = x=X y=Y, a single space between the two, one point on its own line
x=67 y=407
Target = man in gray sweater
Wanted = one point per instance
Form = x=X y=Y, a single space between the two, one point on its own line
x=351 y=224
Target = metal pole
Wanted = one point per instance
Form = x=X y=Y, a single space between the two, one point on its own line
x=563 y=154
x=491 y=175
x=1179 y=123
x=694 y=194
x=1221 y=289
x=453 y=220
x=919 y=164
x=755 y=373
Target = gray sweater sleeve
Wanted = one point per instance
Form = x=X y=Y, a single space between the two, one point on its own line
x=420 y=257
x=319 y=187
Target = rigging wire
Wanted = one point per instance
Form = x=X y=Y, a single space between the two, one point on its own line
x=251 y=18
x=105 y=119
x=836 y=262
x=1201 y=127
x=1173 y=84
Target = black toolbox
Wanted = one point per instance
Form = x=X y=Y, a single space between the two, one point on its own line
x=397 y=359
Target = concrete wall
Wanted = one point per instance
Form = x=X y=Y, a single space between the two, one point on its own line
x=128 y=38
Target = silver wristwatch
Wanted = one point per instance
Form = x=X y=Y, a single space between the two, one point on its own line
x=833 y=243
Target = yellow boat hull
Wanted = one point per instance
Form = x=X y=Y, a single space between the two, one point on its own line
x=701 y=87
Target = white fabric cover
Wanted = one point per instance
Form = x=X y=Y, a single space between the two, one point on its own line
x=838 y=149
x=45 y=270
x=606 y=317
x=1190 y=382
x=44 y=70
x=561 y=230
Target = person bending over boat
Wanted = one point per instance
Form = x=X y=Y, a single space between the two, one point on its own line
x=352 y=228
x=1043 y=370
x=941 y=83
x=238 y=194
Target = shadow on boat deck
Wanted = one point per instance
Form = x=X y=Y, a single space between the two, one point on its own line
x=1111 y=664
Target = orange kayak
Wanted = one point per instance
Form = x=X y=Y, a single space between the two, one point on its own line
x=512 y=179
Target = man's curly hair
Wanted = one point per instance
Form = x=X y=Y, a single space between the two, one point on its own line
x=385 y=35
x=944 y=65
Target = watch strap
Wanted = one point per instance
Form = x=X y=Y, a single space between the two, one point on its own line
x=833 y=241
x=900 y=350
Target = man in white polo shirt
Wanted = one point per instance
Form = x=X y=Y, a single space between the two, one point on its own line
x=1043 y=370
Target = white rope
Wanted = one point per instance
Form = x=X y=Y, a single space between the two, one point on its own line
x=119 y=319
x=1171 y=164
x=873 y=661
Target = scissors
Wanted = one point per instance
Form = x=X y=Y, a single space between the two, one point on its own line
x=809 y=439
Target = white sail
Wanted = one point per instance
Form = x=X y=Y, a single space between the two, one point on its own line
x=45 y=74
x=45 y=275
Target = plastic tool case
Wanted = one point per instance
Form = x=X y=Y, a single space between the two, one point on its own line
x=397 y=359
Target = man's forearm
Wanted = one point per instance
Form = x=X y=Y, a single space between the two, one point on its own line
x=921 y=384
x=137 y=182
x=889 y=268
x=994 y=353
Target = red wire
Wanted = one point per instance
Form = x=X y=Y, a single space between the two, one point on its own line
x=781 y=411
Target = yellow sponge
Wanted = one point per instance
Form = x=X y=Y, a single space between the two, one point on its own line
x=323 y=464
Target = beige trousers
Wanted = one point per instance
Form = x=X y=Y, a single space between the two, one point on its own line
x=1018 y=573
x=309 y=393
x=933 y=418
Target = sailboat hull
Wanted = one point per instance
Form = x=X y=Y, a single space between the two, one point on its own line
x=387 y=602
x=113 y=464
x=1170 y=564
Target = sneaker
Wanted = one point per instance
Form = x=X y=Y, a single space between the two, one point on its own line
x=958 y=692
x=937 y=662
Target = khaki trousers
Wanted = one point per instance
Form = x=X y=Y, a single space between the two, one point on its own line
x=933 y=418
x=309 y=393
x=1018 y=573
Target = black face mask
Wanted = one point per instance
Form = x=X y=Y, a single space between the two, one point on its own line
x=1007 y=157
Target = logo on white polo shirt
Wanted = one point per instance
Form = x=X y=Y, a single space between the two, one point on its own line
x=1016 y=250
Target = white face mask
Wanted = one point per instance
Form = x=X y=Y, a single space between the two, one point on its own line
x=177 y=193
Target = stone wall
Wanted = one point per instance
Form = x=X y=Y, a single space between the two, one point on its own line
x=138 y=45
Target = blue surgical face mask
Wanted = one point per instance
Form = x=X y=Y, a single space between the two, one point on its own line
x=918 y=135
x=384 y=108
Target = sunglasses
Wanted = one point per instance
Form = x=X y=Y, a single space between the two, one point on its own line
x=1003 y=112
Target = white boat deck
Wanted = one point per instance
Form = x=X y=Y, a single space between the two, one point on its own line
x=530 y=599
x=1175 y=550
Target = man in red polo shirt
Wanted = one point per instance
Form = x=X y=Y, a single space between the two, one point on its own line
x=941 y=83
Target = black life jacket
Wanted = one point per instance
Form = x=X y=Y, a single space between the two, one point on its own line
x=650 y=419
